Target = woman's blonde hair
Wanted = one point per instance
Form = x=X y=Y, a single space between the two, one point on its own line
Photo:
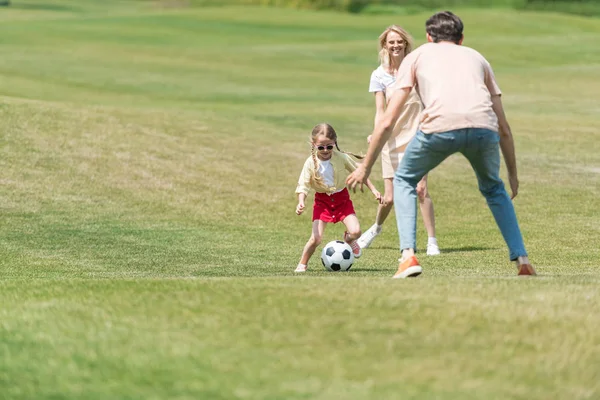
x=323 y=129
x=384 y=56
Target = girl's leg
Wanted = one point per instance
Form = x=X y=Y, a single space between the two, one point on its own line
x=352 y=233
x=426 y=206
x=316 y=236
x=352 y=227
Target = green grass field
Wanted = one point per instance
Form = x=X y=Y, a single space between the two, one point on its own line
x=149 y=158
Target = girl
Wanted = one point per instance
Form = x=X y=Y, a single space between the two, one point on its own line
x=394 y=44
x=323 y=171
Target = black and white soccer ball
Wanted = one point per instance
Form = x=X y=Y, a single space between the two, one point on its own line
x=337 y=256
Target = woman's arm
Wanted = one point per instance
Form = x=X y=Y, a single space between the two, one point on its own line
x=379 y=109
x=374 y=191
x=379 y=105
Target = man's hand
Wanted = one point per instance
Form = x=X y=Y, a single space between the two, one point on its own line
x=358 y=177
x=300 y=208
x=513 y=181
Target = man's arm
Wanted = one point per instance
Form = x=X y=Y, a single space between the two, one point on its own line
x=507 y=145
x=385 y=125
x=381 y=134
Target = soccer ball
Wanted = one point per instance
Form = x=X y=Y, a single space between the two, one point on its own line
x=337 y=256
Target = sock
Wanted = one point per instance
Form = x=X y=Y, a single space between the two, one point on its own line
x=378 y=228
x=522 y=260
x=432 y=240
x=301 y=265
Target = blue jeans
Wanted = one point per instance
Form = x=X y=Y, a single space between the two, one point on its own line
x=427 y=151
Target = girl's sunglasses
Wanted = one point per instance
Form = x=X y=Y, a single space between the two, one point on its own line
x=321 y=148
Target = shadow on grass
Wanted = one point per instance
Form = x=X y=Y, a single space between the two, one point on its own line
x=442 y=249
x=466 y=248
x=390 y=269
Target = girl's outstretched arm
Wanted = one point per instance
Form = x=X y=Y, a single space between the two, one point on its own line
x=300 y=206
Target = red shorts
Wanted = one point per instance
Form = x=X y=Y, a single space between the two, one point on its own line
x=332 y=208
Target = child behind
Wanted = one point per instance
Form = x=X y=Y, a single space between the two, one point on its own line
x=323 y=171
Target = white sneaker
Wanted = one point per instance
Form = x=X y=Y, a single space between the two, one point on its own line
x=301 y=268
x=433 y=250
x=365 y=240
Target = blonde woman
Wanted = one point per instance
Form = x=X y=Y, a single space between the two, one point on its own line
x=325 y=172
x=394 y=44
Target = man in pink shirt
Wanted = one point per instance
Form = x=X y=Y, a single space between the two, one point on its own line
x=462 y=113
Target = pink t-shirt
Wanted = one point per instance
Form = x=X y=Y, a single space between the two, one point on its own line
x=455 y=84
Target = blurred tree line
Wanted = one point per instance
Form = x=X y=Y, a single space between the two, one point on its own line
x=582 y=7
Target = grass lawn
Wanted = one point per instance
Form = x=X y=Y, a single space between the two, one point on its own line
x=148 y=238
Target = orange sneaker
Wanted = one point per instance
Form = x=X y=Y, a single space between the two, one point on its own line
x=356 y=250
x=526 y=270
x=408 y=268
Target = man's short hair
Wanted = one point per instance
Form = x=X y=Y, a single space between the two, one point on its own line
x=444 y=26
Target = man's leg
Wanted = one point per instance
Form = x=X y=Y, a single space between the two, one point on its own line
x=423 y=153
x=483 y=153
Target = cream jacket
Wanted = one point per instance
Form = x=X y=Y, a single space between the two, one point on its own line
x=342 y=165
